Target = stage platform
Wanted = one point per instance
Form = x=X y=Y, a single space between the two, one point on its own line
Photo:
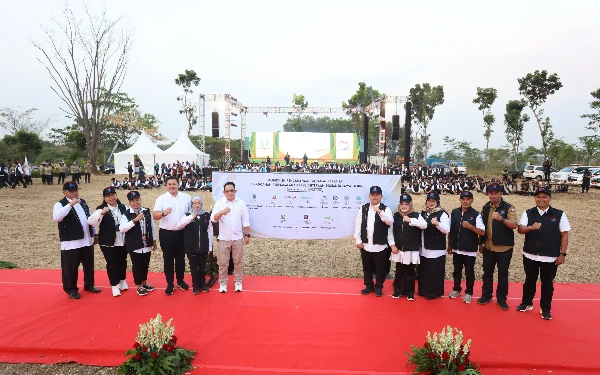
x=285 y=325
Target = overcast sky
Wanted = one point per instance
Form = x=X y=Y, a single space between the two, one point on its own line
x=262 y=52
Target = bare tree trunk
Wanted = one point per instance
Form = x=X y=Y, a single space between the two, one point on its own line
x=487 y=154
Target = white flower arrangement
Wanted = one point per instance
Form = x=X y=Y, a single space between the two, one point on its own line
x=155 y=333
x=447 y=341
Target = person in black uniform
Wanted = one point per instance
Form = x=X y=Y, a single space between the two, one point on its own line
x=112 y=242
x=18 y=178
x=372 y=231
x=130 y=170
x=585 y=183
x=77 y=240
x=197 y=241
x=140 y=240
x=305 y=159
x=466 y=225
x=546 y=231
x=406 y=243
x=432 y=266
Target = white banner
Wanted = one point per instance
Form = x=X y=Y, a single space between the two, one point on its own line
x=315 y=145
x=306 y=206
x=264 y=144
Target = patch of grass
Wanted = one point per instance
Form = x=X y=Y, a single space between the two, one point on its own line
x=4 y=264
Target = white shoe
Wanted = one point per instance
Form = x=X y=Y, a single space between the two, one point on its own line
x=223 y=288
x=238 y=286
x=116 y=291
x=123 y=285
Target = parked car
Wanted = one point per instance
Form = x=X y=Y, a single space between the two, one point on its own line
x=561 y=177
x=576 y=178
x=595 y=182
x=109 y=169
x=534 y=171
x=460 y=165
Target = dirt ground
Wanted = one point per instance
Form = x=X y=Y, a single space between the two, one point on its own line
x=30 y=239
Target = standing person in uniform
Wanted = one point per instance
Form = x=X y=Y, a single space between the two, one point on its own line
x=432 y=267
x=49 y=168
x=405 y=244
x=234 y=232
x=18 y=176
x=77 y=240
x=112 y=242
x=62 y=172
x=585 y=183
x=3 y=175
x=546 y=231
x=169 y=208
x=466 y=225
x=130 y=170
x=88 y=172
x=198 y=240
x=140 y=240
x=372 y=231
x=500 y=220
x=75 y=172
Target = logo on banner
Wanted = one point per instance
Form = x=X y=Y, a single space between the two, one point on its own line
x=253 y=200
x=328 y=220
x=343 y=146
x=282 y=219
x=306 y=219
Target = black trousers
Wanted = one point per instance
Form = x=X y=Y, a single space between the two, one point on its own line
x=388 y=265
x=490 y=260
x=116 y=263
x=3 y=182
x=171 y=243
x=28 y=180
x=404 y=280
x=88 y=177
x=61 y=177
x=69 y=264
x=198 y=268
x=17 y=180
x=547 y=272
x=75 y=177
x=139 y=265
x=585 y=186
x=372 y=260
x=468 y=262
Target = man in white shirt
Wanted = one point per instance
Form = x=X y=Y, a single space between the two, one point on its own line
x=169 y=209
x=234 y=232
x=77 y=240
x=373 y=227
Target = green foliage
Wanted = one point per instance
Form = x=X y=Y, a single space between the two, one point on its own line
x=188 y=107
x=299 y=101
x=215 y=147
x=7 y=265
x=591 y=147
x=318 y=125
x=424 y=100
x=485 y=99
x=23 y=143
x=515 y=123
x=594 y=118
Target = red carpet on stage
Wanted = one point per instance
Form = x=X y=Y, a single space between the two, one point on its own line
x=285 y=325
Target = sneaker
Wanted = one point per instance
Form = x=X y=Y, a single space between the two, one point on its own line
x=223 y=288
x=523 y=307
x=238 y=286
x=503 y=305
x=141 y=291
x=148 y=287
x=396 y=295
x=196 y=290
x=367 y=290
x=123 y=285
x=204 y=289
x=378 y=292
x=467 y=298
x=116 y=291
x=454 y=294
x=182 y=285
x=484 y=300
x=169 y=290
x=410 y=298
x=546 y=315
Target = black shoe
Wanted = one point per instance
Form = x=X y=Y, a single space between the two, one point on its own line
x=141 y=291
x=92 y=289
x=396 y=295
x=503 y=305
x=74 y=295
x=484 y=300
x=546 y=315
x=378 y=292
x=367 y=290
x=148 y=287
x=196 y=290
x=524 y=307
x=182 y=285
x=429 y=298
x=169 y=290
x=204 y=289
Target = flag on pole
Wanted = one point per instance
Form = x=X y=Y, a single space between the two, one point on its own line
x=26 y=162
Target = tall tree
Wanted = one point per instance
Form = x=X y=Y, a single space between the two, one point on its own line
x=24 y=143
x=591 y=147
x=87 y=59
x=126 y=126
x=515 y=121
x=485 y=99
x=424 y=100
x=356 y=104
x=188 y=107
x=535 y=88
x=299 y=101
x=14 y=120
x=594 y=123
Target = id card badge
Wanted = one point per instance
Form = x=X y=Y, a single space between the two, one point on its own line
x=144 y=238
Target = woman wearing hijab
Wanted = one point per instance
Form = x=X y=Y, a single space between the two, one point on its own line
x=407 y=228
x=197 y=242
x=112 y=242
x=432 y=267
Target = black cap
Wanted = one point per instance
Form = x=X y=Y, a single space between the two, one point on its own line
x=108 y=190
x=467 y=194
x=375 y=190
x=405 y=198
x=433 y=195
x=494 y=187
x=133 y=194
x=544 y=190
x=70 y=185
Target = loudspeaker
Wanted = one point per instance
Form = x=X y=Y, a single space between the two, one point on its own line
x=382 y=110
x=245 y=156
x=395 y=128
x=215 y=124
x=207 y=172
x=407 y=134
x=365 y=137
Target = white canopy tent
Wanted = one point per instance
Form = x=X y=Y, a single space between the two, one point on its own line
x=146 y=151
x=183 y=150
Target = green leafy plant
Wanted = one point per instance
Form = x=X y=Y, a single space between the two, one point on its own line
x=443 y=354
x=155 y=351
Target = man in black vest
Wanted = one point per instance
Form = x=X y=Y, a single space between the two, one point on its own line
x=546 y=231
x=466 y=225
x=130 y=170
x=18 y=178
x=77 y=240
x=500 y=221
x=372 y=230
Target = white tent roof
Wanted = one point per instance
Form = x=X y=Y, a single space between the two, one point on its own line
x=183 y=150
x=143 y=148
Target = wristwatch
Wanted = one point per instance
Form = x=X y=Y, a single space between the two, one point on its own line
x=503 y=220
x=563 y=254
x=247 y=235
